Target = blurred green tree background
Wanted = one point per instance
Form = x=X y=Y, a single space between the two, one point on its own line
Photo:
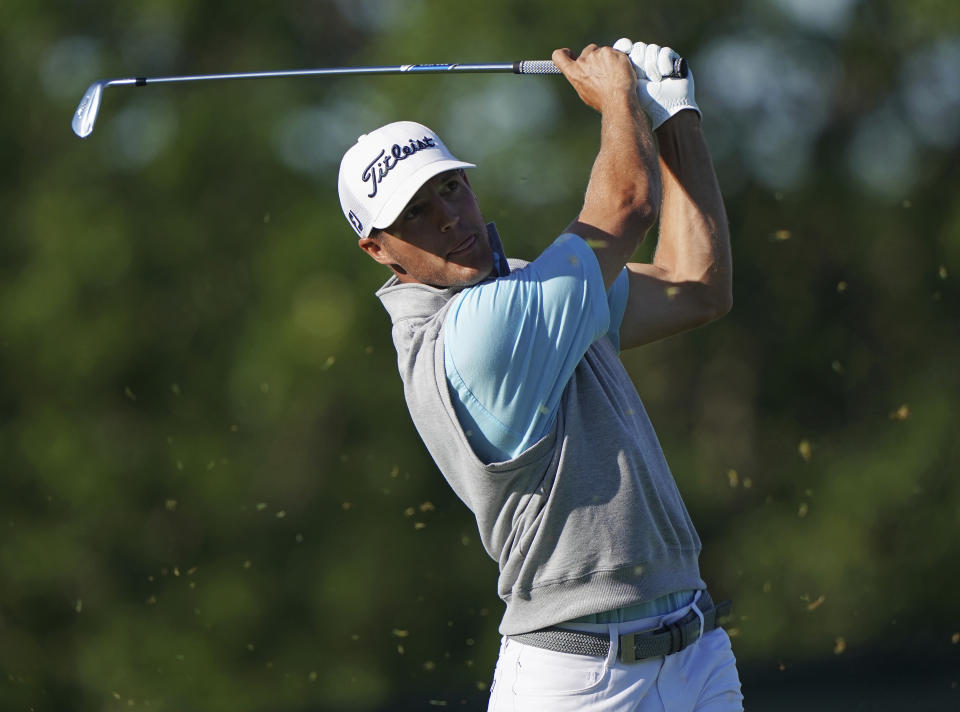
x=212 y=495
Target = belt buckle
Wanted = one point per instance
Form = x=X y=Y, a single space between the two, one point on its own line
x=628 y=650
x=628 y=645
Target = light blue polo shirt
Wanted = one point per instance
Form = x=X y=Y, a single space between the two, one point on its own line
x=511 y=344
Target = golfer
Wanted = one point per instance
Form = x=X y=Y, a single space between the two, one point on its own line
x=512 y=376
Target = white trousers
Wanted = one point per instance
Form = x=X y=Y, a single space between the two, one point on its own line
x=701 y=678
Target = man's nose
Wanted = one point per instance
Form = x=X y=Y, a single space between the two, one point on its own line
x=449 y=217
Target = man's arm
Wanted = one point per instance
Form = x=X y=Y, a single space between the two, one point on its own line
x=689 y=282
x=624 y=189
x=512 y=344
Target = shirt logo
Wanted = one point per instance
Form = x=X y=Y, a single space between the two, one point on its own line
x=385 y=162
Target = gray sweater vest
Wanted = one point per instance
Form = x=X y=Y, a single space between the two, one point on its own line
x=588 y=519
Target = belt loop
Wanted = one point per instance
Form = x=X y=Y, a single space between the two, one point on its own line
x=696 y=609
x=614 y=630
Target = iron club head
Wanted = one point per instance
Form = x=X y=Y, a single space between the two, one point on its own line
x=86 y=114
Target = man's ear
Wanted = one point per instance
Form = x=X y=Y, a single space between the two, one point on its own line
x=375 y=250
x=378 y=252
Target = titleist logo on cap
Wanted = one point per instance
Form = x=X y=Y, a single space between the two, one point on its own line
x=385 y=162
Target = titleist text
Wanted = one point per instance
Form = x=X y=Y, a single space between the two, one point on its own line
x=385 y=162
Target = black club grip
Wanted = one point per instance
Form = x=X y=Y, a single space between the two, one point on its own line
x=546 y=66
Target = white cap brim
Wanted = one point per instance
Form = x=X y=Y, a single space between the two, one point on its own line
x=398 y=201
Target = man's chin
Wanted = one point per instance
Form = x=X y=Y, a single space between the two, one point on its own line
x=482 y=272
x=469 y=280
x=472 y=271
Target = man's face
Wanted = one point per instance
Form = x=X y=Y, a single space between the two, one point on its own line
x=439 y=239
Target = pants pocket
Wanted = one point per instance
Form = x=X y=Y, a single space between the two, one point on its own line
x=547 y=673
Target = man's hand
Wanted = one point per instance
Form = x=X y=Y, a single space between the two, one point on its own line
x=600 y=75
x=661 y=95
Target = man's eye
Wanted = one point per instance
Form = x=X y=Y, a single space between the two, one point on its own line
x=412 y=212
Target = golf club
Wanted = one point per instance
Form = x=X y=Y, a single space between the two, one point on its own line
x=86 y=114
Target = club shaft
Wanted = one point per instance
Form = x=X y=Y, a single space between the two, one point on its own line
x=86 y=113
x=501 y=67
x=534 y=66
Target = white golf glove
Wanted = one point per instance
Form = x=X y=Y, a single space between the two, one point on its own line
x=661 y=95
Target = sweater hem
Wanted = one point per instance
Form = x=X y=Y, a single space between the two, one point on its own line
x=563 y=600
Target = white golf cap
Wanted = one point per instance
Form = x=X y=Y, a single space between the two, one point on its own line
x=385 y=168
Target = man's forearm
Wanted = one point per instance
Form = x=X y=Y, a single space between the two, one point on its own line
x=624 y=191
x=694 y=240
x=626 y=167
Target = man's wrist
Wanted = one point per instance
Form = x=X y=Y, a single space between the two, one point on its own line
x=685 y=119
x=627 y=102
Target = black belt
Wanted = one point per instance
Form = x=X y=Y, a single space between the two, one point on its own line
x=665 y=640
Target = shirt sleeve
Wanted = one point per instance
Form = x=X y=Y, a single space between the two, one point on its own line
x=512 y=344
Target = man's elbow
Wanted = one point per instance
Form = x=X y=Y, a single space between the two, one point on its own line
x=709 y=302
x=718 y=304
